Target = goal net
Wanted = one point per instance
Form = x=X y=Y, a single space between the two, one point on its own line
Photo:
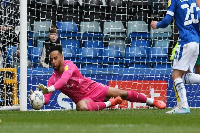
x=110 y=41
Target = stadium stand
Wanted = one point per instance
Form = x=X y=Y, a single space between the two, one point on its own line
x=113 y=57
x=69 y=35
x=94 y=10
x=115 y=35
x=90 y=57
x=92 y=35
x=69 y=54
x=70 y=10
x=35 y=54
x=160 y=37
x=137 y=57
x=138 y=34
x=158 y=57
x=41 y=32
x=116 y=11
x=11 y=50
x=139 y=11
x=46 y=11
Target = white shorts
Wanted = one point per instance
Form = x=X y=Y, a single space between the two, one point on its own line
x=186 y=56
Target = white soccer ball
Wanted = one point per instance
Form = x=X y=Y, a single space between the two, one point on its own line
x=37 y=100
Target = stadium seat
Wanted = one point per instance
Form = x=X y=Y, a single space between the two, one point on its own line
x=70 y=10
x=137 y=57
x=114 y=35
x=92 y=35
x=41 y=30
x=69 y=35
x=158 y=57
x=113 y=58
x=138 y=34
x=30 y=34
x=160 y=37
x=35 y=54
x=91 y=57
x=70 y=54
x=10 y=51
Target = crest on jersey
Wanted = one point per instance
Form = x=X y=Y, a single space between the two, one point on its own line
x=169 y=3
x=66 y=67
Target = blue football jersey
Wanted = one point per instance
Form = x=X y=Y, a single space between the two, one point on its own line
x=185 y=13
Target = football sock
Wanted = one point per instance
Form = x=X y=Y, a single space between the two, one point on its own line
x=177 y=98
x=149 y=101
x=180 y=87
x=134 y=96
x=191 y=78
x=95 y=106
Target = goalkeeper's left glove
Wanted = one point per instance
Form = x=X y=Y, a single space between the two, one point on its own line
x=45 y=89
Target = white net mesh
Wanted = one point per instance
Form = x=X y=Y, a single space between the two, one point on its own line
x=109 y=40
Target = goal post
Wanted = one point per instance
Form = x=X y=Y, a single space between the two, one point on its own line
x=23 y=55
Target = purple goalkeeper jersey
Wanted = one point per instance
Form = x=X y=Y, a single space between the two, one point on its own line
x=71 y=82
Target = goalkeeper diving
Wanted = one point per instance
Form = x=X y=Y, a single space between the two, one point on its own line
x=87 y=94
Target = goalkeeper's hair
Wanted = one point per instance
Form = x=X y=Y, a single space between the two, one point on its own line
x=56 y=48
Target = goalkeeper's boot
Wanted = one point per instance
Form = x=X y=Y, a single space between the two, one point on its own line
x=159 y=104
x=115 y=101
x=178 y=110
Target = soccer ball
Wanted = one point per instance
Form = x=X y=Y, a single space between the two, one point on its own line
x=37 y=100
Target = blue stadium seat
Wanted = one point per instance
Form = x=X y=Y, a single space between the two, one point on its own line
x=113 y=58
x=41 y=30
x=114 y=35
x=158 y=57
x=35 y=55
x=92 y=35
x=69 y=34
x=91 y=57
x=160 y=37
x=70 y=54
x=138 y=34
x=10 y=51
x=30 y=34
x=137 y=57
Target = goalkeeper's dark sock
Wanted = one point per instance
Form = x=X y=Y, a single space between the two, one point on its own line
x=95 y=106
x=134 y=96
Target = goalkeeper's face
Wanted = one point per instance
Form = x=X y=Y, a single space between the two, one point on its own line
x=56 y=60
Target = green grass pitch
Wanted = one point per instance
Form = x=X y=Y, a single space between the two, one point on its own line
x=106 y=121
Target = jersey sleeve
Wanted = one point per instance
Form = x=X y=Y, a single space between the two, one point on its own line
x=169 y=15
x=171 y=7
x=68 y=71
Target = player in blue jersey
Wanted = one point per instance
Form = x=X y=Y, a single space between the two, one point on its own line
x=185 y=13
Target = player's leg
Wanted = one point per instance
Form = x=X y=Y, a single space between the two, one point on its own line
x=197 y=65
x=183 y=62
x=192 y=78
x=88 y=104
x=134 y=96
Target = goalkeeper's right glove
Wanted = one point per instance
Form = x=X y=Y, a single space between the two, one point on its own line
x=45 y=89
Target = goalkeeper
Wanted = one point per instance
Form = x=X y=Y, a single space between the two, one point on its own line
x=86 y=93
